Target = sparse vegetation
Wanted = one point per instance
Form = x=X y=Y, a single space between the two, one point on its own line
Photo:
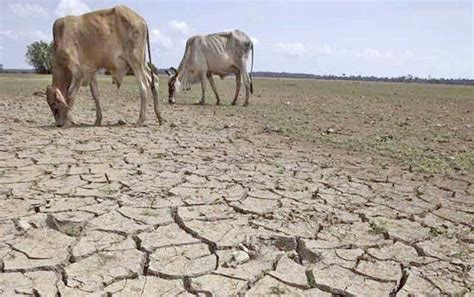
x=424 y=127
x=147 y=212
x=378 y=226
x=278 y=290
x=108 y=190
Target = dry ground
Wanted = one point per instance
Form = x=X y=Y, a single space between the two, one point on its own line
x=327 y=187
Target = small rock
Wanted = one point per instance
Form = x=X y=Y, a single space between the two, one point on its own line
x=173 y=125
x=329 y=131
x=121 y=122
x=228 y=125
x=240 y=257
x=24 y=225
x=269 y=129
x=243 y=248
x=292 y=254
x=16 y=120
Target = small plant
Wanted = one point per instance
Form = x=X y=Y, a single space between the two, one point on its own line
x=147 y=212
x=277 y=290
x=311 y=278
x=108 y=190
x=342 y=235
x=378 y=227
x=434 y=231
x=463 y=254
x=460 y=293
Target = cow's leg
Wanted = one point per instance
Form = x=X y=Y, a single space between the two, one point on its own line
x=142 y=89
x=72 y=90
x=154 y=92
x=246 y=79
x=95 y=95
x=213 y=86
x=71 y=94
x=238 y=82
x=203 y=89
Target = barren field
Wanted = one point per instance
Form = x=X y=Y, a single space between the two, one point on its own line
x=318 y=188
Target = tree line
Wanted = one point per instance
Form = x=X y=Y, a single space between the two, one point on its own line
x=39 y=54
x=405 y=78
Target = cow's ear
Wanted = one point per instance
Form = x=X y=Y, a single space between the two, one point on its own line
x=167 y=72
x=50 y=95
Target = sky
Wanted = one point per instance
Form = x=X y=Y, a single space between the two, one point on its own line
x=380 y=38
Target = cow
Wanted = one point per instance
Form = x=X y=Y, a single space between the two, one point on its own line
x=220 y=53
x=111 y=39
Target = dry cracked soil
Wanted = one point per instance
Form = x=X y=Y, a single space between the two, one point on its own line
x=214 y=203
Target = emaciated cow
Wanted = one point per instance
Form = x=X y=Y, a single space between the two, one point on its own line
x=220 y=53
x=112 y=39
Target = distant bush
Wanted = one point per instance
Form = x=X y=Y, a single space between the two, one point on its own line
x=39 y=54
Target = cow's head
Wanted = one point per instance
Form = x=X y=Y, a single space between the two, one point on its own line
x=58 y=105
x=173 y=84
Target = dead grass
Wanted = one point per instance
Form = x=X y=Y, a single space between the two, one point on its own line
x=425 y=127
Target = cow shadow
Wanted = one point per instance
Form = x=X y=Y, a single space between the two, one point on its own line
x=83 y=125
x=207 y=104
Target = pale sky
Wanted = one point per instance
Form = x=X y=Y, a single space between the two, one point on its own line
x=381 y=38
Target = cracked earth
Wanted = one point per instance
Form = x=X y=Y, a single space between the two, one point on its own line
x=202 y=207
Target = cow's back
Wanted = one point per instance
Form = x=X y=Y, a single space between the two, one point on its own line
x=233 y=43
x=97 y=39
x=240 y=42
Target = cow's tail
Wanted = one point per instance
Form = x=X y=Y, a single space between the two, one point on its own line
x=251 y=69
x=152 y=86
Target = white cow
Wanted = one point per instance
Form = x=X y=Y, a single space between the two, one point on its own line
x=220 y=53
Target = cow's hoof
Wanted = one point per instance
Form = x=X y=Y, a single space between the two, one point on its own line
x=139 y=123
x=67 y=124
x=246 y=104
x=98 y=123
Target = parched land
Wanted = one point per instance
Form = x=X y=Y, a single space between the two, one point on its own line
x=318 y=188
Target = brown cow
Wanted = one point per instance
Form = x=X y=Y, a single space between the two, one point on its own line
x=112 y=39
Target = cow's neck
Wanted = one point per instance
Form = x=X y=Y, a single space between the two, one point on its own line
x=180 y=72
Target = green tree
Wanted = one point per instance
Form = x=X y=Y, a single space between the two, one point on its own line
x=39 y=54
